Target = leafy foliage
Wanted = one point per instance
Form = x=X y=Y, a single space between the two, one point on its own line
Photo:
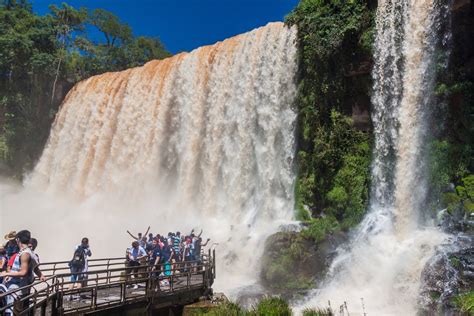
x=465 y=302
x=333 y=156
x=273 y=306
x=318 y=228
x=462 y=198
x=268 y=306
x=224 y=309
x=452 y=151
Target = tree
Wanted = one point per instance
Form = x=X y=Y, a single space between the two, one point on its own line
x=66 y=21
x=115 y=32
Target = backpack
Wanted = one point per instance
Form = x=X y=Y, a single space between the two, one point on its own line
x=79 y=259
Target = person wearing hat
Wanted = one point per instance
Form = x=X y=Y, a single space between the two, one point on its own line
x=11 y=246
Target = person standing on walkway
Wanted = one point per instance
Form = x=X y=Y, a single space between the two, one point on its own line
x=79 y=264
x=139 y=237
x=135 y=254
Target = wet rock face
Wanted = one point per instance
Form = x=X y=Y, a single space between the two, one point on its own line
x=292 y=264
x=449 y=273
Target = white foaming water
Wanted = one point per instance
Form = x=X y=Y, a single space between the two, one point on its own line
x=204 y=140
x=383 y=263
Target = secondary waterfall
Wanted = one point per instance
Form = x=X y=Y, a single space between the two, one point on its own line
x=379 y=272
x=202 y=139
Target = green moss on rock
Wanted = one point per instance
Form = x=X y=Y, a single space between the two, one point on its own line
x=297 y=260
x=287 y=256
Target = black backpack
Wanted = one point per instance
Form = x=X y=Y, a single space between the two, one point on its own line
x=79 y=259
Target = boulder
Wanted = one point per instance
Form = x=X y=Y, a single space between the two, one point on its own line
x=292 y=263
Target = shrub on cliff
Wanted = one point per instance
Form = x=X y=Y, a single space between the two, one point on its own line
x=462 y=198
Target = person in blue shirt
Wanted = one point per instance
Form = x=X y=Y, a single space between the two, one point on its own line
x=155 y=255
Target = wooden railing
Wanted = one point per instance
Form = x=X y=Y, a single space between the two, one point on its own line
x=110 y=283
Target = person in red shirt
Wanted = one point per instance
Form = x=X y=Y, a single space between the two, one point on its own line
x=10 y=262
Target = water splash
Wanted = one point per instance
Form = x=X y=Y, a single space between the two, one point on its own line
x=384 y=261
x=204 y=139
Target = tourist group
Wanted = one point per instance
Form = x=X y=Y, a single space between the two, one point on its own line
x=161 y=255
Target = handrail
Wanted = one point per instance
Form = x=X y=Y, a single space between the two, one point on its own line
x=92 y=263
x=105 y=277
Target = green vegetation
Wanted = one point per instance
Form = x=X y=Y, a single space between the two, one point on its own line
x=318 y=228
x=268 y=306
x=42 y=57
x=224 y=309
x=462 y=199
x=465 y=302
x=435 y=295
x=273 y=306
x=451 y=163
x=334 y=37
x=455 y=262
x=452 y=151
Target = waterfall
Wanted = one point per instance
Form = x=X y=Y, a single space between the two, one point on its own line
x=381 y=267
x=202 y=139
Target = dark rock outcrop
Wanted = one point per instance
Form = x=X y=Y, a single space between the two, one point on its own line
x=292 y=264
x=450 y=272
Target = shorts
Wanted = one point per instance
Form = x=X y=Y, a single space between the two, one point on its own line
x=76 y=275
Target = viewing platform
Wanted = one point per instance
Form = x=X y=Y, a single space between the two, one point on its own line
x=110 y=289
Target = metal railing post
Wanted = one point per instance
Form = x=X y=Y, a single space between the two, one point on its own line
x=43 y=308
x=54 y=304
x=94 y=298
x=188 y=279
x=123 y=289
x=213 y=264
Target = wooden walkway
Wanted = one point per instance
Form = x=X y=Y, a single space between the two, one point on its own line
x=111 y=285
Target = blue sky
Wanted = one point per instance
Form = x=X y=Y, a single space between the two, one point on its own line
x=183 y=25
